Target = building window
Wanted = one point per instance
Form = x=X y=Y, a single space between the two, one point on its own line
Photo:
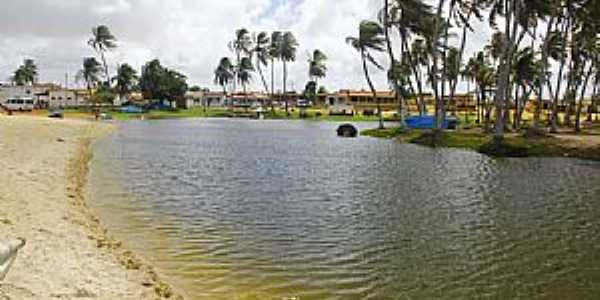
x=53 y=98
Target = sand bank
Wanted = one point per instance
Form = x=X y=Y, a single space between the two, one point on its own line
x=43 y=168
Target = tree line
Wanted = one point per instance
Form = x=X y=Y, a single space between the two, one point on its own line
x=255 y=51
x=529 y=37
x=155 y=80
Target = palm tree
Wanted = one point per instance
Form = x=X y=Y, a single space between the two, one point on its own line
x=370 y=38
x=261 y=50
x=316 y=66
x=102 y=40
x=224 y=73
x=288 y=50
x=525 y=70
x=126 y=80
x=90 y=73
x=242 y=44
x=274 y=53
x=408 y=17
x=244 y=73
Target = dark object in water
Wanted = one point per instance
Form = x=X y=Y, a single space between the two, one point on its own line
x=347 y=130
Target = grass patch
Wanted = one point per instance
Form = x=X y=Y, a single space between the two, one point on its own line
x=510 y=146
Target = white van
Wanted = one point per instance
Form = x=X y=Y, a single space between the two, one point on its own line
x=21 y=104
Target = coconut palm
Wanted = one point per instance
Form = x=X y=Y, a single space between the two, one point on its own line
x=525 y=73
x=241 y=45
x=289 y=46
x=90 y=73
x=261 y=50
x=224 y=73
x=126 y=80
x=316 y=66
x=274 y=53
x=102 y=40
x=370 y=38
x=408 y=17
x=244 y=73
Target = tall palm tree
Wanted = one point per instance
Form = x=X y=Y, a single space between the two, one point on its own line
x=274 y=53
x=90 y=73
x=370 y=38
x=224 y=73
x=408 y=17
x=244 y=73
x=103 y=40
x=289 y=46
x=316 y=66
x=241 y=45
x=126 y=80
x=261 y=50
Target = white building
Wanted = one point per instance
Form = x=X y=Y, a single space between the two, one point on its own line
x=36 y=92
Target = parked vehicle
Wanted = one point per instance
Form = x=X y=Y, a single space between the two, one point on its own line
x=20 y=104
x=56 y=113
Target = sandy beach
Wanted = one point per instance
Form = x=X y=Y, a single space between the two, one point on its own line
x=43 y=168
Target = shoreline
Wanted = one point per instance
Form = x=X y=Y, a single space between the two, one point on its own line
x=69 y=254
x=514 y=144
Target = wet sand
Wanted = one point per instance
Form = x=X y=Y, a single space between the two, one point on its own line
x=69 y=255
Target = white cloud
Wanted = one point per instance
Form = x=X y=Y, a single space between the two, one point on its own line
x=188 y=35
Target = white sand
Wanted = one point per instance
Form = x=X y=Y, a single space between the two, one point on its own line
x=43 y=166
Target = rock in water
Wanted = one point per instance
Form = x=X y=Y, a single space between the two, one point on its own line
x=347 y=130
x=8 y=254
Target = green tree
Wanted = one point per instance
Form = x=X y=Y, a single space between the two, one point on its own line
x=90 y=73
x=288 y=49
x=158 y=82
x=316 y=66
x=126 y=80
x=241 y=45
x=261 y=50
x=103 y=40
x=244 y=74
x=224 y=73
x=370 y=38
x=26 y=73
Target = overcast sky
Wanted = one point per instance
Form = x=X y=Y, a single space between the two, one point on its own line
x=187 y=35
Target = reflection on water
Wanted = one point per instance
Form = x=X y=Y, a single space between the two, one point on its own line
x=237 y=209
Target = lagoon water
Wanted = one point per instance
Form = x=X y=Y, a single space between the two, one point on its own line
x=243 y=209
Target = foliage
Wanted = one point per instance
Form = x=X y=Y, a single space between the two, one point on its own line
x=158 y=82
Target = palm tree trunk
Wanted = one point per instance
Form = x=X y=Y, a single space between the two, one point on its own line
x=366 y=70
x=580 y=105
x=434 y=71
x=559 y=79
x=262 y=77
x=284 y=86
x=445 y=62
x=272 y=85
x=504 y=74
x=105 y=67
x=543 y=78
x=461 y=52
x=413 y=64
x=392 y=60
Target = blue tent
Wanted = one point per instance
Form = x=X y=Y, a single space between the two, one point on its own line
x=131 y=109
x=428 y=122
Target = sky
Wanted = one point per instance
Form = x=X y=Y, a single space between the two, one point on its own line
x=187 y=35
